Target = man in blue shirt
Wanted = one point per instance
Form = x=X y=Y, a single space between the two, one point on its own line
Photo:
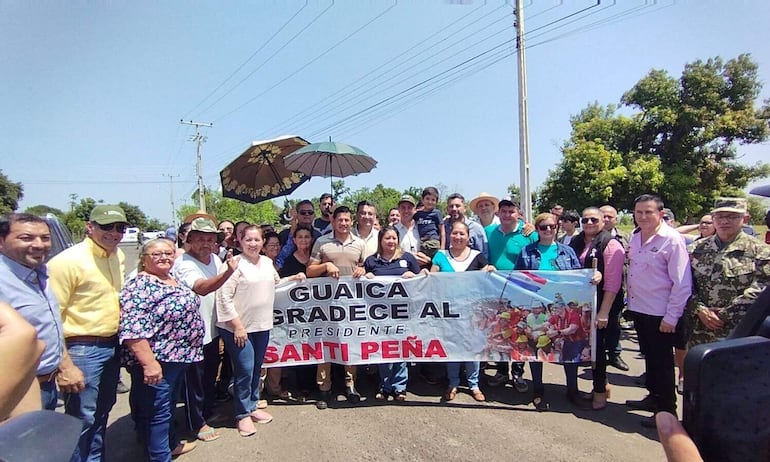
x=455 y=206
x=25 y=241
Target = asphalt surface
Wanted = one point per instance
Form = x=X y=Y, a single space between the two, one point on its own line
x=506 y=427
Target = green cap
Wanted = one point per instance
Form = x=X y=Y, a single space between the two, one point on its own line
x=204 y=225
x=108 y=214
x=731 y=204
x=407 y=198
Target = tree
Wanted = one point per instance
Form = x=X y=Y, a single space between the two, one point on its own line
x=681 y=144
x=383 y=198
x=42 y=210
x=134 y=215
x=231 y=209
x=10 y=194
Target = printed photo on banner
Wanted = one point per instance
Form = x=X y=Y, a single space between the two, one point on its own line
x=470 y=316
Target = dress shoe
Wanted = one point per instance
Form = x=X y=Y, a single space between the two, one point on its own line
x=649 y=403
x=617 y=362
x=648 y=422
x=352 y=394
x=323 y=400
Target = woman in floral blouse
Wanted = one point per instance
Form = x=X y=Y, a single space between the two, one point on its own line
x=161 y=331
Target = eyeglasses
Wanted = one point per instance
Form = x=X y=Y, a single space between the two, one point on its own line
x=707 y=222
x=119 y=227
x=593 y=220
x=545 y=227
x=158 y=255
x=273 y=246
x=306 y=212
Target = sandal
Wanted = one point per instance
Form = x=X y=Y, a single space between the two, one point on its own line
x=400 y=396
x=208 y=435
x=478 y=395
x=381 y=396
x=183 y=448
x=246 y=427
x=540 y=404
x=450 y=394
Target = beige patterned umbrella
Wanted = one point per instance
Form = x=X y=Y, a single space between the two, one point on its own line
x=259 y=173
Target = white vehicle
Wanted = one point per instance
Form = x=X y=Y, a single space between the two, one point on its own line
x=131 y=235
x=150 y=235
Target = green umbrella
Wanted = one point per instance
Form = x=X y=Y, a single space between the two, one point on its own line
x=330 y=159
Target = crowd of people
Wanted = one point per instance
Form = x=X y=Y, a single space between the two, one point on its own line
x=193 y=320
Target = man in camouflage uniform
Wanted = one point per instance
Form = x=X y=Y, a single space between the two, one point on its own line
x=730 y=269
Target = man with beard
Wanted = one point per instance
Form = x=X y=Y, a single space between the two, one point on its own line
x=455 y=205
x=323 y=224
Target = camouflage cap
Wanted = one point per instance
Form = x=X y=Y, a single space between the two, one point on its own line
x=731 y=204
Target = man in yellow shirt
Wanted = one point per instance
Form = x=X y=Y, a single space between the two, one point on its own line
x=86 y=280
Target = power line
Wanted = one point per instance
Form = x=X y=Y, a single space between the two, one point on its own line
x=352 y=86
x=312 y=61
x=271 y=56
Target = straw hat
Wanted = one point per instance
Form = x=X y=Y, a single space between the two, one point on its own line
x=483 y=197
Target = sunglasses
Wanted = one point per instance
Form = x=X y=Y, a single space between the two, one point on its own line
x=306 y=212
x=119 y=227
x=593 y=220
x=545 y=227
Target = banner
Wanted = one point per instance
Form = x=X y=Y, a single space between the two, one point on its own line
x=470 y=316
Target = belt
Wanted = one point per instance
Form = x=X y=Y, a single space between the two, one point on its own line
x=91 y=339
x=47 y=377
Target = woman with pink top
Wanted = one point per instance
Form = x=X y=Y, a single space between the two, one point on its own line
x=245 y=318
x=594 y=243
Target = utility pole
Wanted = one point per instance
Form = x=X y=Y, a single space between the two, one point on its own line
x=198 y=138
x=526 y=195
x=171 y=189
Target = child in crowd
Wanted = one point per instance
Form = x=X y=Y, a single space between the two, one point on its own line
x=430 y=223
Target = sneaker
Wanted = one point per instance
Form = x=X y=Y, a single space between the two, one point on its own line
x=520 y=384
x=122 y=388
x=497 y=380
x=323 y=400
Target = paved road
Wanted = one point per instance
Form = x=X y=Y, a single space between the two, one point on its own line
x=506 y=427
x=424 y=428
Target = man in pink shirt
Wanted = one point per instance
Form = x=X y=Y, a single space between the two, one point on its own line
x=659 y=284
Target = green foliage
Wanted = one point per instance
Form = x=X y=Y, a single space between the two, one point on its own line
x=681 y=144
x=10 y=194
x=231 y=209
x=757 y=210
x=42 y=210
x=382 y=197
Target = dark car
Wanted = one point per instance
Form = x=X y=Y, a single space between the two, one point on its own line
x=61 y=238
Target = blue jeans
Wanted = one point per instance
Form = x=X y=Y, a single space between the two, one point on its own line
x=393 y=377
x=48 y=395
x=247 y=363
x=154 y=409
x=101 y=369
x=471 y=370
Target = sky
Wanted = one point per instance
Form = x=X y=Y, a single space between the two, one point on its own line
x=93 y=92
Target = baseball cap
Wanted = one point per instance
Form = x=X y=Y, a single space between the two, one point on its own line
x=108 y=214
x=204 y=225
x=407 y=198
